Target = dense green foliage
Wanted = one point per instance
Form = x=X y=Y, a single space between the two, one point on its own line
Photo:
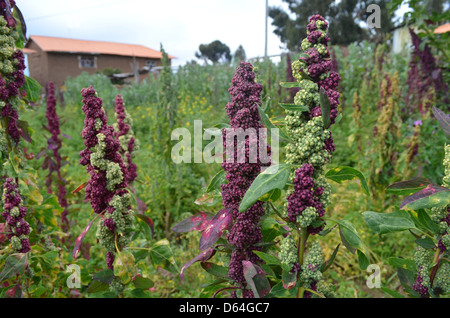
x=197 y=92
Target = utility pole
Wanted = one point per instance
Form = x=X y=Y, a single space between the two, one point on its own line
x=267 y=17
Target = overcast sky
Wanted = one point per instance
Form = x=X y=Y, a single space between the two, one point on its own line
x=179 y=25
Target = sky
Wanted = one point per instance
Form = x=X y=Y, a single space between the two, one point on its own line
x=179 y=25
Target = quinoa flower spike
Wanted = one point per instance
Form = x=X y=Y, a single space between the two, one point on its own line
x=106 y=188
x=243 y=114
x=309 y=150
x=14 y=213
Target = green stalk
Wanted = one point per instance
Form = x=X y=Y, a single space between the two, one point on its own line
x=303 y=237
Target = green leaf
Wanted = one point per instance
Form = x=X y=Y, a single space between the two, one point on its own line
x=124 y=267
x=161 y=255
x=325 y=108
x=290 y=84
x=14 y=264
x=214 y=269
x=295 y=108
x=426 y=222
x=408 y=187
x=382 y=223
x=274 y=177
x=404 y=263
x=429 y=197
x=349 y=236
x=363 y=260
x=32 y=89
x=270 y=229
x=326 y=265
x=426 y=243
x=278 y=291
x=344 y=173
x=142 y=282
x=269 y=126
x=97 y=286
x=222 y=125
x=271 y=196
x=37 y=290
x=219 y=179
x=105 y=276
x=268 y=259
x=391 y=292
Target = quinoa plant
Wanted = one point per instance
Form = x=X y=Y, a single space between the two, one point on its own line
x=285 y=264
x=309 y=150
x=426 y=85
x=106 y=189
x=54 y=162
x=425 y=213
x=124 y=133
x=12 y=73
x=244 y=232
x=14 y=213
x=303 y=178
x=386 y=136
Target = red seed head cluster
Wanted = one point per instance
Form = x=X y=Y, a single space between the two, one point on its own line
x=108 y=176
x=306 y=194
x=97 y=191
x=12 y=65
x=54 y=143
x=243 y=114
x=124 y=132
x=14 y=213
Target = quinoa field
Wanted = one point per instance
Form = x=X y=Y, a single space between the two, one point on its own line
x=325 y=174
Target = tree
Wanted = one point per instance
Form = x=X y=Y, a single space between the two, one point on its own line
x=345 y=16
x=239 y=54
x=215 y=51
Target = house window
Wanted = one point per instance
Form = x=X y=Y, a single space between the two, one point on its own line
x=150 y=64
x=87 y=61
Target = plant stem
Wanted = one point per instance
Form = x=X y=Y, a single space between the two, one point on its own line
x=436 y=259
x=303 y=236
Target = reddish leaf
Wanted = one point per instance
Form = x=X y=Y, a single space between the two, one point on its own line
x=80 y=238
x=443 y=119
x=23 y=127
x=288 y=278
x=214 y=230
x=256 y=279
x=432 y=196
x=408 y=187
x=196 y=222
x=202 y=257
x=2 y=233
x=40 y=153
x=52 y=144
x=27 y=155
x=23 y=26
x=80 y=187
x=9 y=17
